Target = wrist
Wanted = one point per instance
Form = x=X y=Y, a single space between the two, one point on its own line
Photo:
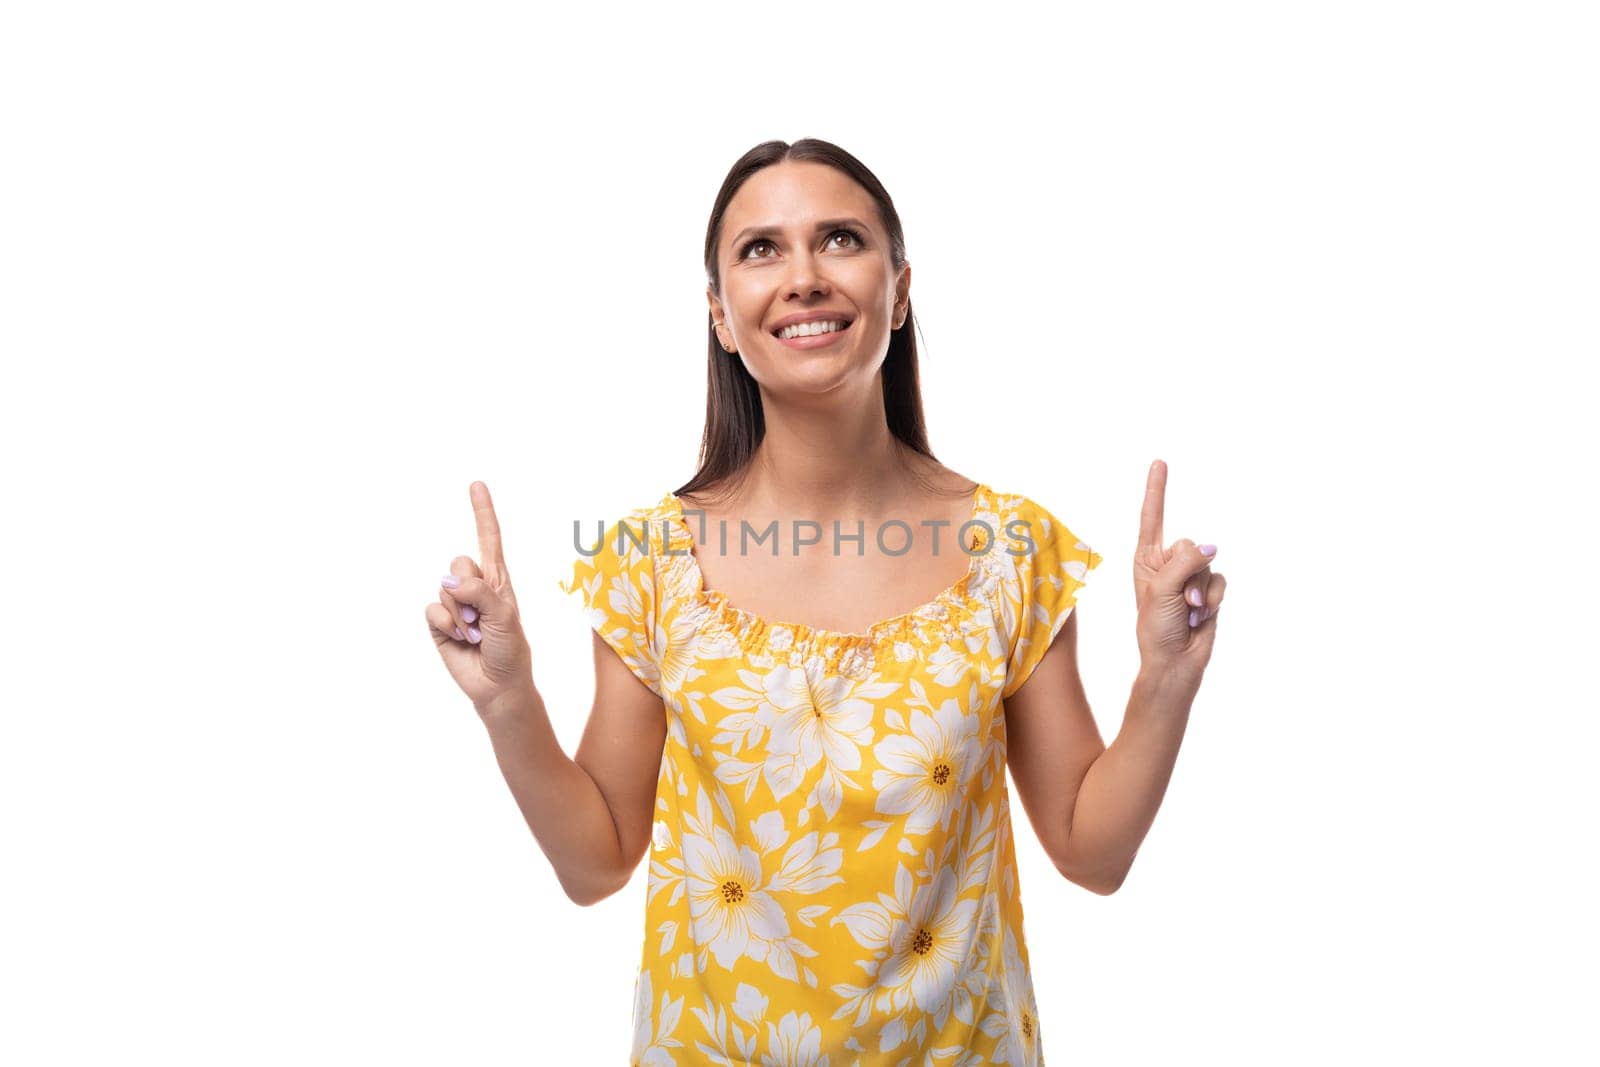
x=1165 y=683
x=513 y=703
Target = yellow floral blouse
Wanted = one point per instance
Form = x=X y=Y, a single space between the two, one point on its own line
x=832 y=879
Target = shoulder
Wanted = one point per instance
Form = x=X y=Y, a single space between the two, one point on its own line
x=939 y=479
x=1035 y=537
x=1022 y=517
x=644 y=522
x=626 y=539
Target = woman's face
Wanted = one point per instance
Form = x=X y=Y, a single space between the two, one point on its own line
x=801 y=239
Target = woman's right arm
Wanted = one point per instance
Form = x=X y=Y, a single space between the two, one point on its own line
x=592 y=816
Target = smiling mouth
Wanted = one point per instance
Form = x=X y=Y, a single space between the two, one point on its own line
x=809 y=329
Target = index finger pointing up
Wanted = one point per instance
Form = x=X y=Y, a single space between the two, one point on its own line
x=1155 y=493
x=488 y=527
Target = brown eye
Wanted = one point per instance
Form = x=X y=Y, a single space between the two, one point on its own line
x=758 y=241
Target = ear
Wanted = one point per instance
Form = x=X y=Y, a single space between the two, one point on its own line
x=718 y=314
x=902 y=296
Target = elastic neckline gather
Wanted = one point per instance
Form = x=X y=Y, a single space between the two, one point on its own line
x=753 y=631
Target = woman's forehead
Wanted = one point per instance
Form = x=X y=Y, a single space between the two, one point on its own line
x=795 y=194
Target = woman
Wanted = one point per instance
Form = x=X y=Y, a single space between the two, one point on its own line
x=811 y=741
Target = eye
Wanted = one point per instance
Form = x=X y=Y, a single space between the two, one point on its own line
x=855 y=242
x=855 y=238
x=744 y=253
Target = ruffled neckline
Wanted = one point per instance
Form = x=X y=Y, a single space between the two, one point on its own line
x=943 y=614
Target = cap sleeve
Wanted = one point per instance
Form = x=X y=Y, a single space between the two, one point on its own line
x=618 y=584
x=1043 y=586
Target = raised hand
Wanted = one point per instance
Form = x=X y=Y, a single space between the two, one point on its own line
x=1176 y=590
x=475 y=624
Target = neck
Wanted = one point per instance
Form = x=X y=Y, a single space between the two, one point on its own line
x=816 y=459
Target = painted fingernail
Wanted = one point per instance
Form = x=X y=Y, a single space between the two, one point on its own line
x=1209 y=612
x=1194 y=616
x=473 y=635
x=1208 y=550
x=1194 y=598
x=459 y=635
x=450 y=581
x=469 y=613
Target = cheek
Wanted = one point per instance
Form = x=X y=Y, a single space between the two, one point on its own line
x=746 y=305
x=868 y=287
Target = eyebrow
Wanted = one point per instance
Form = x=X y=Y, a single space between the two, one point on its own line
x=768 y=230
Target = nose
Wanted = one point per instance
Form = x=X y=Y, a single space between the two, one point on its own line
x=805 y=280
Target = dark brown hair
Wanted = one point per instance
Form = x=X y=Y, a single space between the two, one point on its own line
x=734 y=421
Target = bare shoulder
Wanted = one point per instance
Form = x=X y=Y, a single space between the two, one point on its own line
x=709 y=501
x=941 y=480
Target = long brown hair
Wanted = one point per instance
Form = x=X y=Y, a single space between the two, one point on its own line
x=735 y=424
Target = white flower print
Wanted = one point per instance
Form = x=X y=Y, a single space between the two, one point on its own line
x=810 y=865
x=731 y=912
x=622 y=597
x=857 y=662
x=686 y=643
x=651 y=1038
x=985 y=646
x=750 y=1005
x=928 y=944
x=814 y=720
x=950 y=663
x=927 y=934
x=735 y=896
x=813 y=780
x=1018 y=1025
x=794 y=1042
x=926 y=772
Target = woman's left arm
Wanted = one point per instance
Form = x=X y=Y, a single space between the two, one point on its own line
x=1092 y=805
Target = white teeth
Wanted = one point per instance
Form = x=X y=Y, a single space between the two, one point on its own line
x=810 y=329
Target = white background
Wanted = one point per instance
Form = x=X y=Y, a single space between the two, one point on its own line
x=278 y=281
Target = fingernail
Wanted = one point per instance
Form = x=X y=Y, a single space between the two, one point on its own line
x=450 y=581
x=1194 y=598
x=469 y=613
x=1194 y=616
x=459 y=635
x=1208 y=550
x=1209 y=612
x=473 y=635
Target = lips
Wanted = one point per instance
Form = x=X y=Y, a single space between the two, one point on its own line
x=817 y=316
x=812 y=336
x=821 y=340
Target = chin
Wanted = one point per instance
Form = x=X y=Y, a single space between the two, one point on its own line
x=818 y=377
